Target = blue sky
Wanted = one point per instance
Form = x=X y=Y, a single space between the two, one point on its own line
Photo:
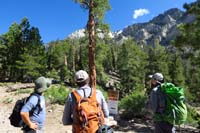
x=56 y=19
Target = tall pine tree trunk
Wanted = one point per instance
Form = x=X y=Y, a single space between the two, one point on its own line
x=91 y=31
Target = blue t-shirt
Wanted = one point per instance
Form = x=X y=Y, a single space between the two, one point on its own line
x=38 y=118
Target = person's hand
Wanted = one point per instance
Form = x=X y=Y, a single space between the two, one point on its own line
x=33 y=126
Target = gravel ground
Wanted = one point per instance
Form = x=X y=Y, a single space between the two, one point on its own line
x=53 y=122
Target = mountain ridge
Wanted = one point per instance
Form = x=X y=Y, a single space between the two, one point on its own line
x=162 y=28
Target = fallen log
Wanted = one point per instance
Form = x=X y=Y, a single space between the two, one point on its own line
x=18 y=86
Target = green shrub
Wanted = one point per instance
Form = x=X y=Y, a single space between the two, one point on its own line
x=53 y=74
x=23 y=91
x=189 y=96
x=6 y=84
x=133 y=105
x=56 y=94
x=193 y=118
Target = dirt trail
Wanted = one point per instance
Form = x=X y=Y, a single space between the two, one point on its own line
x=53 y=122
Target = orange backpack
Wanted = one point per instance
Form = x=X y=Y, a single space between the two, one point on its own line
x=88 y=116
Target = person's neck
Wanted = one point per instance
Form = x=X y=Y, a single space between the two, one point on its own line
x=84 y=86
x=38 y=93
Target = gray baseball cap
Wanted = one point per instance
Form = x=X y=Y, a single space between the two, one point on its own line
x=42 y=84
x=81 y=76
x=157 y=76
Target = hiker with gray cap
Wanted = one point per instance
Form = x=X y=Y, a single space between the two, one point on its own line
x=33 y=113
x=84 y=91
x=156 y=104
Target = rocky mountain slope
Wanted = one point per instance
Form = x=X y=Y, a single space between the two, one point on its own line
x=162 y=28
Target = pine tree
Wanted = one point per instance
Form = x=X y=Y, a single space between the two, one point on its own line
x=188 y=42
x=190 y=32
x=24 y=52
x=130 y=64
x=157 y=60
x=176 y=69
x=97 y=10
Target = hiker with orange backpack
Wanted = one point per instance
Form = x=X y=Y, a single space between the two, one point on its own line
x=85 y=107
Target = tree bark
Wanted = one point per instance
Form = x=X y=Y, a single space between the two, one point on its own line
x=91 y=31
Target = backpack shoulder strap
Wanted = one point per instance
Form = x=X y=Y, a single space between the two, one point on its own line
x=76 y=95
x=162 y=100
x=38 y=103
x=93 y=95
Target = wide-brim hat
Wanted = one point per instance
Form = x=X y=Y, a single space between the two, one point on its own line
x=42 y=84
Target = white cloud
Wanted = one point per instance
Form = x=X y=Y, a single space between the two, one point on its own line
x=140 y=12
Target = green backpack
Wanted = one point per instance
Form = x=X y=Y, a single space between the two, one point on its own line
x=175 y=110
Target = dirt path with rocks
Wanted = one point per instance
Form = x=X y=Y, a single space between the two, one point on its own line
x=53 y=123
